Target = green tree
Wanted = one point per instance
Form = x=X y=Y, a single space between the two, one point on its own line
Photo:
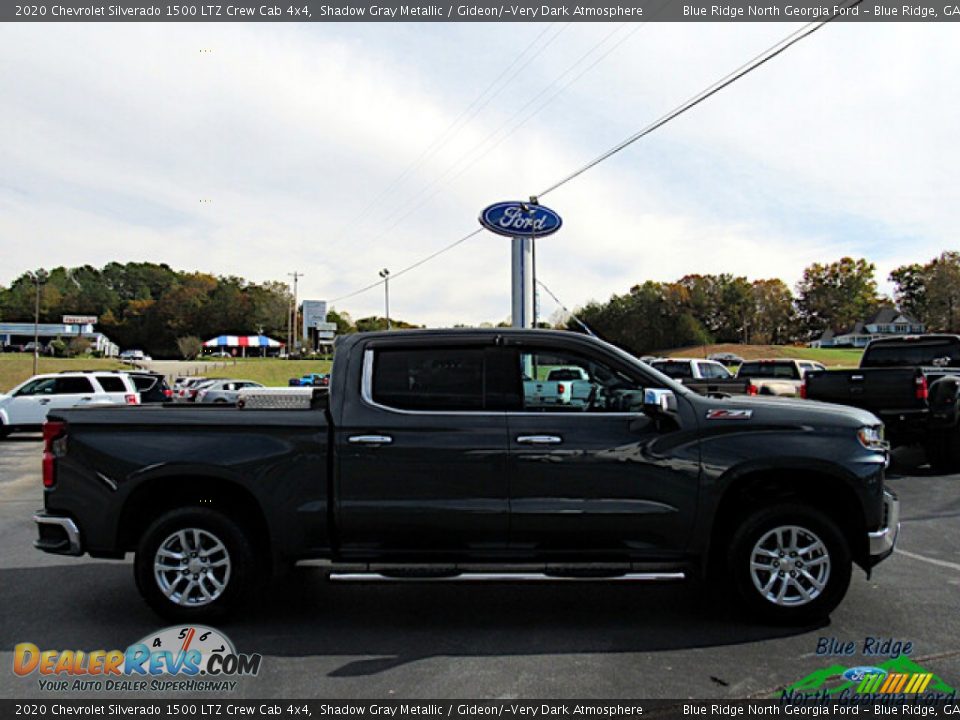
x=836 y=295
x=774 y=317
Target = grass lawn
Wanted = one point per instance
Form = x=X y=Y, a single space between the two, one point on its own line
x=831 y=357
x=17 y=367
x=268 y=371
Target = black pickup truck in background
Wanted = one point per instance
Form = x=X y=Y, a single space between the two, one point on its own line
x=431 y=456
x=912 y=384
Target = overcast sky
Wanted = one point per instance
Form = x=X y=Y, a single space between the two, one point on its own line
x=296 y=135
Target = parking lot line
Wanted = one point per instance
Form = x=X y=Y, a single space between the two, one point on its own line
x=932 y=561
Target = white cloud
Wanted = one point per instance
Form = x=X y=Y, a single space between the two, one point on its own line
x=113 y=134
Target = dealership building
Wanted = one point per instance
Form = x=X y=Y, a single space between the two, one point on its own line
x=22 y=333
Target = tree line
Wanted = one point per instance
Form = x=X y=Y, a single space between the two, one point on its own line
x=701 y=309
x=151 y=306
x=158 y=309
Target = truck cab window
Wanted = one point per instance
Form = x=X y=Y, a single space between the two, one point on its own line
x=439 y=379
x=556 y=381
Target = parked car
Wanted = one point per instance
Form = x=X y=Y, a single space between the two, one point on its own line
x=779 y=376
x=153 y=387
x=912 y=384
x=134 y=356
x=311 y=380
x=707 y=377
x=223 y=391
x=192 y=390
x=726 y=358
x=564 y=386
x=188 y=386
x=25 y=407
x=424 y=459
x=13 y=348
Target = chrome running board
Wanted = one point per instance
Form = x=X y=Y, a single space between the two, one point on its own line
x=506 y=577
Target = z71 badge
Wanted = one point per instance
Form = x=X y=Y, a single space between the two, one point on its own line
x=729 y=414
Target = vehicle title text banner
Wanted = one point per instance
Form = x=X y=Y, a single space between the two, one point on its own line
x=484 y=11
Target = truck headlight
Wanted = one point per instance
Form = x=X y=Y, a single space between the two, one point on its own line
x=871 y=437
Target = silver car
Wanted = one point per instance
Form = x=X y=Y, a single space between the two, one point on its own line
x=223 y=391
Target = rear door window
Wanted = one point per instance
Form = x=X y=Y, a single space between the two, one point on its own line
x=777 y=370
x=438 y=379
x=111 y=384
x=72 y=386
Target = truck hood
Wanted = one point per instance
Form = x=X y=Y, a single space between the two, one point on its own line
x=793 y=411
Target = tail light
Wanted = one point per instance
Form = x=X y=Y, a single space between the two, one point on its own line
x=54 y=446
x=561 y=388
x=131 y=399
x=751 y=388
x=923 y=392
x=168 y=393
x=803 y=389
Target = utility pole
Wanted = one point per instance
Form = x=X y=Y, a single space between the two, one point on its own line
x=385 y=274
x=293 y=335
x=39 y=278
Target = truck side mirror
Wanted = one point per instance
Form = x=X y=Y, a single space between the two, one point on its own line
x=657 y=401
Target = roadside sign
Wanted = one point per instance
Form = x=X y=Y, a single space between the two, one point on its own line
x=80 y=319
x=326 y=327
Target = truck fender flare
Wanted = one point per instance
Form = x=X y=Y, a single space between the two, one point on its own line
x=720 y=489
x=944 y=394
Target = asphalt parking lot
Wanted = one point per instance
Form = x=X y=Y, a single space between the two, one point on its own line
x=568 y=640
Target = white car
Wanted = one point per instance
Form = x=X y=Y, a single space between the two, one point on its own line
x=26 y=406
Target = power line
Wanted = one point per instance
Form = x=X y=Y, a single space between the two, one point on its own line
x=467 y=114
x=473 y=151
x=563 y=307
x=710 y=91
x=415 y=265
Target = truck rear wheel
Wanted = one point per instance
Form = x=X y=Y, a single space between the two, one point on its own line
x=789 y=564
x=194 y=563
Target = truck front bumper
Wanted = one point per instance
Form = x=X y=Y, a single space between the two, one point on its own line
x=882 y=541
x=57 y=534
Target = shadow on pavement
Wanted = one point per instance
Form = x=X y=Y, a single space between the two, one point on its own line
x=97 y=606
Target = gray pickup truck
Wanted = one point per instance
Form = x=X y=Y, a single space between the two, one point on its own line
x=427 y=459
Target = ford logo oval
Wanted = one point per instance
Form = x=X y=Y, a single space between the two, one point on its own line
x=517 y=219
x=856 y=674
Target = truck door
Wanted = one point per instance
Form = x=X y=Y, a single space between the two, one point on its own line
x=423 y=454
x=598 y=476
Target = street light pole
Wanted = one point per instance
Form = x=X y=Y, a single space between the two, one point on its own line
x=385 y=274
x=39 y=278
x=293 y=337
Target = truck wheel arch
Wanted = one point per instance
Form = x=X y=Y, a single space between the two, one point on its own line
x=160 y=495
x=815 y=487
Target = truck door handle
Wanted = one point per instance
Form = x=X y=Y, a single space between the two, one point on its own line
x=539 y=439
x=370 y=439
x=45 y=401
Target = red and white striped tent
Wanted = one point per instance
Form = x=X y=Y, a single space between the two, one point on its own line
x=243 y=341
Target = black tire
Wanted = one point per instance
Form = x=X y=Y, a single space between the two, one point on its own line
x=4 y=430
x=243 y=569
x=793 y=609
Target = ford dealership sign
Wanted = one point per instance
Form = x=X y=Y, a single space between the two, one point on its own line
x=517 y=219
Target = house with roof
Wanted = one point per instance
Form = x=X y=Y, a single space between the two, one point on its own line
x=887 y=322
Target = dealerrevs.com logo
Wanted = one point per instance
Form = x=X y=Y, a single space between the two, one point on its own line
x=180 y=658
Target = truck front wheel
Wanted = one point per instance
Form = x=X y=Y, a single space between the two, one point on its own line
x=789 y=563
x=194 y=563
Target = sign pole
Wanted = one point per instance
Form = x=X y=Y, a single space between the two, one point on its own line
x=521 y=294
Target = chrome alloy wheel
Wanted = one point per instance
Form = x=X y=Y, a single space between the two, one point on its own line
x=790 y=566
x=192 y=567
